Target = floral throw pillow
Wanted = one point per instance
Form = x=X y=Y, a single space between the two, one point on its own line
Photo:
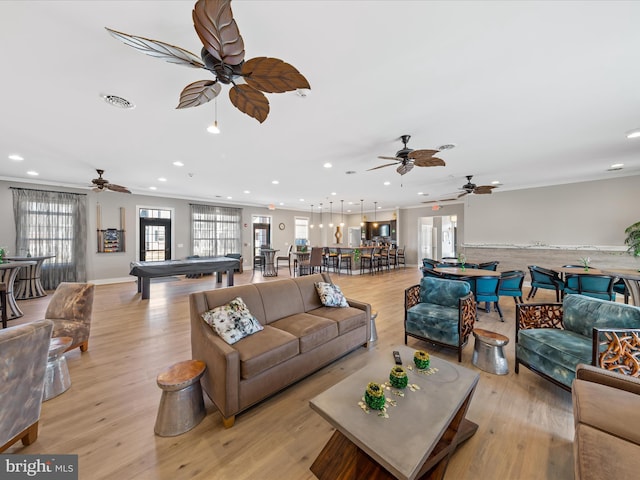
x=331 y=295
x=233 y=321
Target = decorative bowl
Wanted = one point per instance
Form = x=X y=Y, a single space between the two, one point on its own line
x=398 y=377
x=421 y=359
x=374 y=396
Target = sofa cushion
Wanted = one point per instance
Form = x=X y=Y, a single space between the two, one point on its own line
x=280 y=299
x=312 y=331
x=249 y=294
x=554 y=352
x=608 y=409
x=443 y=292
x=264 y=350
x=434 y=321
x=347 y=318
x=306 y=285
x=581 y=314
x=331 y=295
x=232 y=321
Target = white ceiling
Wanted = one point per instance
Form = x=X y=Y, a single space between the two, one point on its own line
x=532 y=94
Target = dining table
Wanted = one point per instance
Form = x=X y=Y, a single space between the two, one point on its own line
x=8 y=273
x=578 y=271
x=466 y=272
x=269 y=262
x=29 y=284
x=631 y=278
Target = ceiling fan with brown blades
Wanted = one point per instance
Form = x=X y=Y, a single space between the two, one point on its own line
x=102 y=184
x=468 y=188
x=408 y=158
x=222 y=54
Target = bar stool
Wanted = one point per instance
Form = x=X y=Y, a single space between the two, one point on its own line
x=181 y=405
x=347 y=260
x=56 y=377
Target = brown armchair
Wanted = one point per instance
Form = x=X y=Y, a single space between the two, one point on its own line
x=70 y=311
x=23 y=361
x=607 y=425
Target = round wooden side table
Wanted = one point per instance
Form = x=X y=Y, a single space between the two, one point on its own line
x=488 y=352
x=181 y=405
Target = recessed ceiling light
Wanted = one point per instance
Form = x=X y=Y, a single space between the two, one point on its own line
x=387 y=183
x=229 y=198
x=33 y=173
x=495 y=182
x=281 y=204
x=153 y=188
x=333 y=193
x=635 y=133
x=247 y=191
x=327 y=165
x=275 y=182
x=162 y=179
x=422 y=193
x=302 y=92
x=302 y=199
x=16 y=158
x=617 y=165
x=178 y=164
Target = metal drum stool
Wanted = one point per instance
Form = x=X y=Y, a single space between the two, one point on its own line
x=488 y=352
x=56 y=377
x=373 y=338
x=181 y=405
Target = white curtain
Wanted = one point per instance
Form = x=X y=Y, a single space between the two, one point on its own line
x=215 y=230
x=52 y=223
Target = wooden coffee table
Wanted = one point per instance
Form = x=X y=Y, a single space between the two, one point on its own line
x=417 y=439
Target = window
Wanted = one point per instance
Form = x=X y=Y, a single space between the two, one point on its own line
x=52 y=223
x=215 y=230
x=301 y=230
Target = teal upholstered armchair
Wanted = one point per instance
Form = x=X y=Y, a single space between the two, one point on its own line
x=553 y=338
x=545 y=279
x=441 y=312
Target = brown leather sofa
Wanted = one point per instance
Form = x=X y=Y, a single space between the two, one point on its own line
x=607 y=424
x=300 y=336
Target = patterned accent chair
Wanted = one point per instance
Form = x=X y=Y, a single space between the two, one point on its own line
x=607 y=425
x=553 y=338
x=441 y=312
x=70 y=311
x=23 y=360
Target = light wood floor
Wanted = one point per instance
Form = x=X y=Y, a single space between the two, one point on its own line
x=108 y=414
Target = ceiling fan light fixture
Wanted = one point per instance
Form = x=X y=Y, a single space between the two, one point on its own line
x=214 y=128
x=635 y=133
x=119 y=102
x=446 y=146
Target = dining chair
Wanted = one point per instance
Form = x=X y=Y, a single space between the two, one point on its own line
x=393 y=256
x=307 y=267
x=487 y=291
x=401 y=257
x=545 y=279
x=286 y=258
x=597 y=286
x=493 y=265
x=345 y=260
x=429 y=263
x=3 y=304
x=383 y=258
x=620 y=287
x=511 y=285
x=430 y=272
